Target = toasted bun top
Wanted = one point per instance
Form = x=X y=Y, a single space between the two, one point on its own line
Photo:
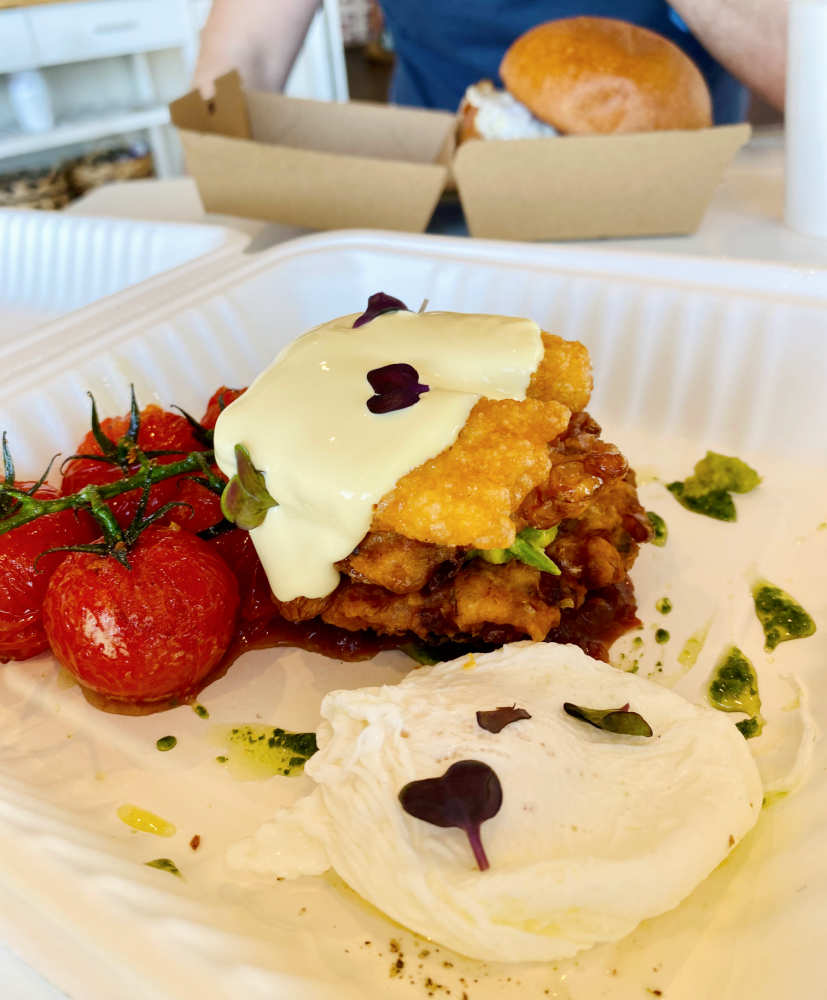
x=597 y=75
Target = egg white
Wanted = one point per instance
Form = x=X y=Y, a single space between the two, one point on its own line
x=596 y=832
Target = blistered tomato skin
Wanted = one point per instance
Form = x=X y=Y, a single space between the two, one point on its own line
x=160 y=431
x=219 y=401
x=237 y=550
x=22 y=586
x=149 y=633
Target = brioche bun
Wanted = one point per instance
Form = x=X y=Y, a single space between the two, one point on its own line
x=587 y=75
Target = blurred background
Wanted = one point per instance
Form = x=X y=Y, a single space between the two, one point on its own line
x=84 y=86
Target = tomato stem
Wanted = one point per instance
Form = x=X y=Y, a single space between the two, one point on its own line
x=28 y=508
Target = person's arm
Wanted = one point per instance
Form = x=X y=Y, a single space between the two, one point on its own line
x=749 y=37
x=259 y=38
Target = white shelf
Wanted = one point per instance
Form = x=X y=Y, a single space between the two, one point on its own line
x=84 y=130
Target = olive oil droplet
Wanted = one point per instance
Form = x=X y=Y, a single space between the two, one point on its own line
x=145 y=821
x=253 y=752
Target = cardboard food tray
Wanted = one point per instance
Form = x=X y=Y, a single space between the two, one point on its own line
x=688 y=355
x=329 y=166
x=312 y=163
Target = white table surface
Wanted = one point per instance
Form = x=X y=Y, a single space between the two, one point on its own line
x=744 y=221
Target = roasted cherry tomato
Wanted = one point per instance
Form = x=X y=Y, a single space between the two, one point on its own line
x=219 y=401
x=160 y=431
x=22 y=586
x=237 y=550
x=147 y=633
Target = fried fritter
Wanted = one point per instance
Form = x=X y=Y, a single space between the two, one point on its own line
x=582 y=467
x=301 y=609
x=466 y=495
x=400 y=565
x=564 y=374
x=479 y=596
x=503 y=595
x=397 y=585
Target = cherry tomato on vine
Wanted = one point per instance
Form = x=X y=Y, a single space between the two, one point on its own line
x=148 y=633
x=22 y=585
x=237 y=550
x=160 y=430
x=219 y=401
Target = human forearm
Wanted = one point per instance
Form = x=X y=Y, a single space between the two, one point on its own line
x=749 y=37
x=259 y=38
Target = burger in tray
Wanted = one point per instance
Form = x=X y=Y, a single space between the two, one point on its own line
x=587 y=76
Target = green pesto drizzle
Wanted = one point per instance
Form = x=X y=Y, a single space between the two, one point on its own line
x=734 y=688
x=749 y=728
x=709 y=490
x=166 y=743
x=254 y=752
x=782 y=617
x=664 y=605
x=200 y=711
x=165 y=865
x=662 y=636
x=659 y=526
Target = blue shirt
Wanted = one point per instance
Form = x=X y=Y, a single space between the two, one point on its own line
x=443 y=46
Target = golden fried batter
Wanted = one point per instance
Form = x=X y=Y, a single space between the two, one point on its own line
x=396 y=563
x=301 y=609
x=357 y=606
x=479 y=597
x=503 y=595
x=564 y=375
x=466 y=495
x=582 y=467
x=396 y=585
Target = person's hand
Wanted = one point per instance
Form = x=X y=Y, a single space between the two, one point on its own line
x=259 y=38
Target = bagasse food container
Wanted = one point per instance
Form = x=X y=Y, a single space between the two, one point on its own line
x=52 y=264
x=688 y=355
x=330 y=166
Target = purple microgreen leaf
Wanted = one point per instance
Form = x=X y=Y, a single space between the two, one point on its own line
x=611 y=720
x=245 y=501
x=389 y=378
x=377 y=305
x=464 y=797
x=497 y=719
x=396 y=386
x=387 y=402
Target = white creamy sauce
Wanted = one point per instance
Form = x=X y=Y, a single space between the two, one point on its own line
x=501 y=116
x=596 y=832
x=327 y=459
